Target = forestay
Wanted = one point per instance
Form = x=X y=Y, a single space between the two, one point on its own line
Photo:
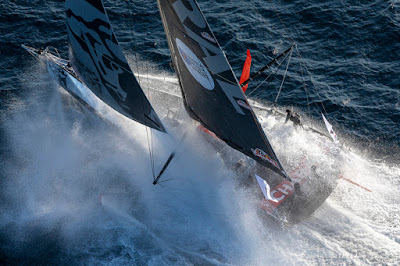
x=210 y=89
x=98 y=59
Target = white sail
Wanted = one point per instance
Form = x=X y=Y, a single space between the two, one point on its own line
x=330 y=130
x=265 y=189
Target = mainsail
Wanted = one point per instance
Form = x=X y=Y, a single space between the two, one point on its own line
x=98 y=59
x=211 y=92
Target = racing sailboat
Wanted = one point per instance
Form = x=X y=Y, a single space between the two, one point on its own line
x=213 y=96
x=97 y=70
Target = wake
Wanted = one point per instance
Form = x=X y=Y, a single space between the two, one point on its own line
x=62 y=157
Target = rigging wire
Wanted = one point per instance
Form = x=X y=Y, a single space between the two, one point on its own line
x=302 y=64
x=271 y=74
x=311 y=80
x=151 y=131
x=284 y=76
x=166 y=180
x=177 y=156
x=265 y=50
x=305 y=89
x=287 y=38
x=148 y=138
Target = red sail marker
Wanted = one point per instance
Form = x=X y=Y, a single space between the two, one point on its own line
x=246 y=71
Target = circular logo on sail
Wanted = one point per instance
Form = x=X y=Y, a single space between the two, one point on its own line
x=195 y=66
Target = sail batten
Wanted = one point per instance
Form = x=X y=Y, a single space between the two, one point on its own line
x=97 y=58
x=212 y=94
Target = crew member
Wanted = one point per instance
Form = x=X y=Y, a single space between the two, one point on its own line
x=292 y=116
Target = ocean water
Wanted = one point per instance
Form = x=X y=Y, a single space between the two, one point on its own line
x=57 y=159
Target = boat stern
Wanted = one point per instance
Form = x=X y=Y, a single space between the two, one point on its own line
x=295 y=201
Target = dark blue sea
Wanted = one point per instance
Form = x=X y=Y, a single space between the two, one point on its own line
x=55 y=161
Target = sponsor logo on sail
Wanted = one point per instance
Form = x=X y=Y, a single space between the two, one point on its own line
x=264 y=156
x=243 y=104
x=195 y=66
x=208 y=37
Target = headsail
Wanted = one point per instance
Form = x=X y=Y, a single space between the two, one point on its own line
x=211 y=92
x=96 y=56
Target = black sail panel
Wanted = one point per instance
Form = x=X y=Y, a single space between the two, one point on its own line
x=211 y=91
x=98 y=59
